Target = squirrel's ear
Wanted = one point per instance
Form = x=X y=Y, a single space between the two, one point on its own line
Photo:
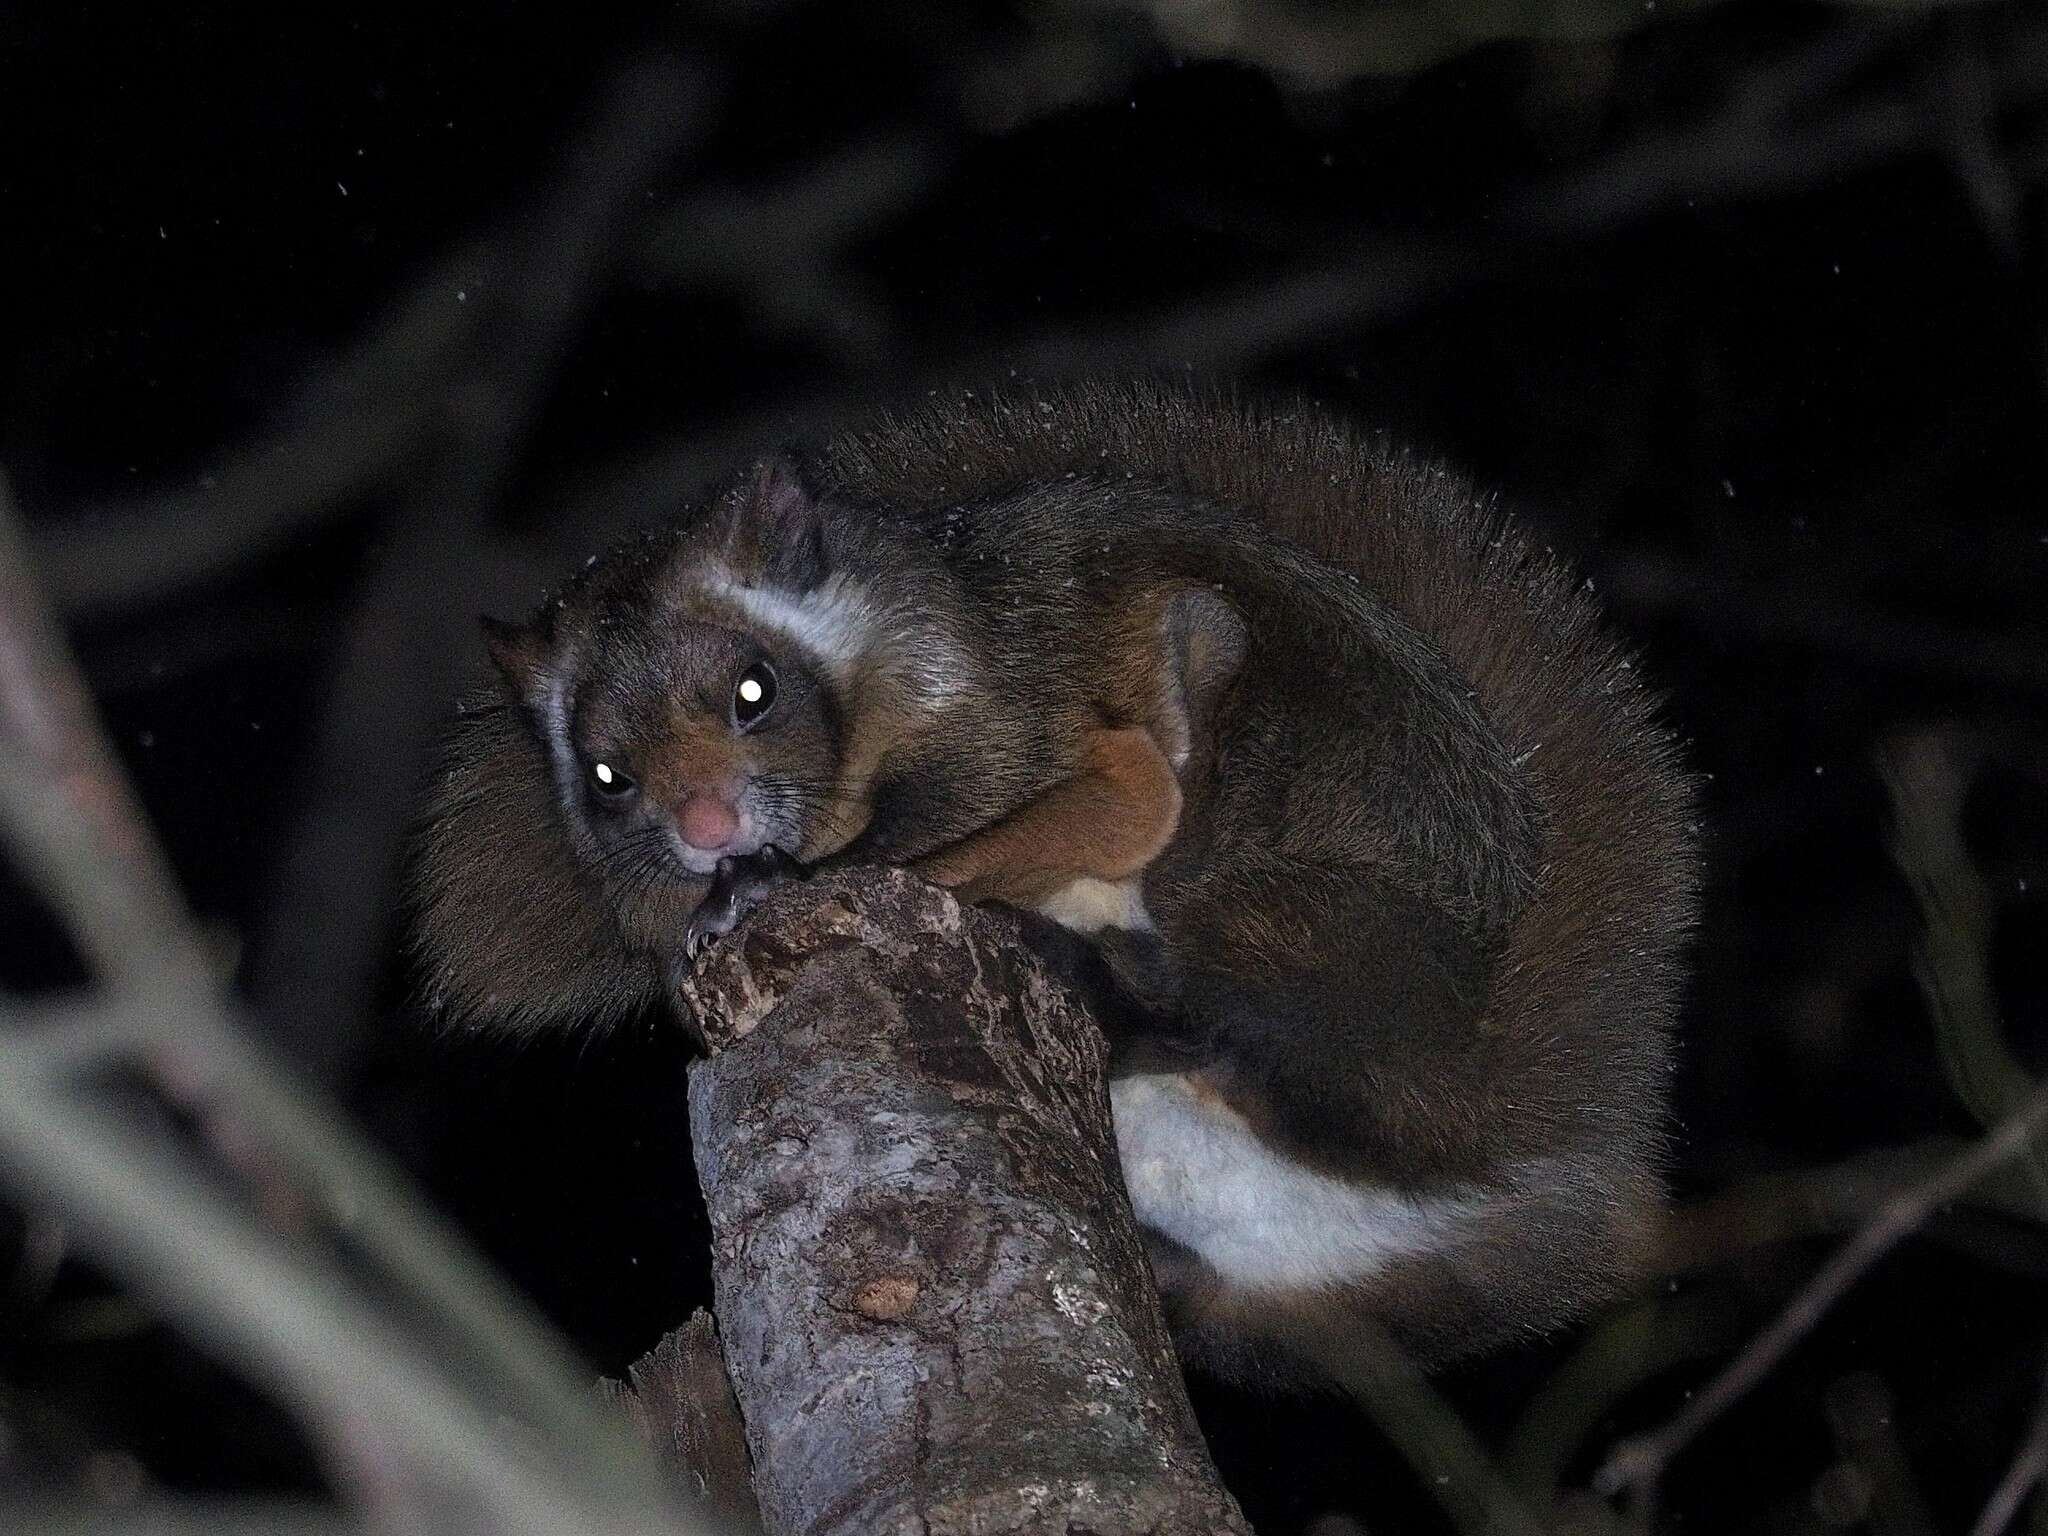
x=520 y=653
x=1205 y=644
x=779 y=532
x=780 y=496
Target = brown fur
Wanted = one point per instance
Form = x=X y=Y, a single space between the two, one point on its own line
x=1570 y=1051
x=1420 y=879
x=1108 y=821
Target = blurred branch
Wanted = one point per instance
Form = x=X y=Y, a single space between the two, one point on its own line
x=454 y=367
x=347 y=435
x=283 y=1316
x=1637 y=1464
x=1321 y=47
x=1861 y=1418
x=289 y=1318
x=1618 y=1355
x=66 y=809
x=1927 y=775
x=1776 y=134
x=1661 y=1332
x=1816 y=1202
x=1964 y=113
x=1433 y=1438
x=781 y=251
x=1326 y=46
x=195 y=1517
x=403 y=657
x=2029 y=1466
x=67 y=1040
x=1774 y=129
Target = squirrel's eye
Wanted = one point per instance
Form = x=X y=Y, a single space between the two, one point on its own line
x=609 y=783
x=754 y=695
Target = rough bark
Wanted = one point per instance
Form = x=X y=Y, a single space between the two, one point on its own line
x=679 y=1398
x=931 y=1291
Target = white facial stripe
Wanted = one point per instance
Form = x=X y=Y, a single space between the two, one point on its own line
x=831 y=621
x=554 y=709
x=1198 y=1174
x=836 y=622
x=554 y=722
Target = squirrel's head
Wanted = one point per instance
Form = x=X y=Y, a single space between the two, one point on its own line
x=674 y=704
x=683 y=694
x=688 y=696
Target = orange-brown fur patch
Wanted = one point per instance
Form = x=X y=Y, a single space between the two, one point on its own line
x=1107 y=822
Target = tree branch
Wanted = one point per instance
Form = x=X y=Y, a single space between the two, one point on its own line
x=931 y=1291
x=1636 y=1465
x=679 y=1397
x=2029 y=1466
x=402 y=658
x=369 y=1388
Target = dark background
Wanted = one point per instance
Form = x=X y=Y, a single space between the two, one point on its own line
x=1742 y=305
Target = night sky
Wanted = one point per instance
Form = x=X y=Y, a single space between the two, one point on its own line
x=1742 y=307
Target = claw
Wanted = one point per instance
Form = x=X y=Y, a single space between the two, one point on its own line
x=738 y=885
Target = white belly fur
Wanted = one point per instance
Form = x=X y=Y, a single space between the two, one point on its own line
x=1089 y=905
x=1197 y=1174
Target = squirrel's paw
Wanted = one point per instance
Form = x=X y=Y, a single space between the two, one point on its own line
x=738 y=885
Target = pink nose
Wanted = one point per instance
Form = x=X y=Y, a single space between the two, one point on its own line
x=707 y=822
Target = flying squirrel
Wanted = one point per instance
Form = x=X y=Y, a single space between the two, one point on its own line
x=1343 y=781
